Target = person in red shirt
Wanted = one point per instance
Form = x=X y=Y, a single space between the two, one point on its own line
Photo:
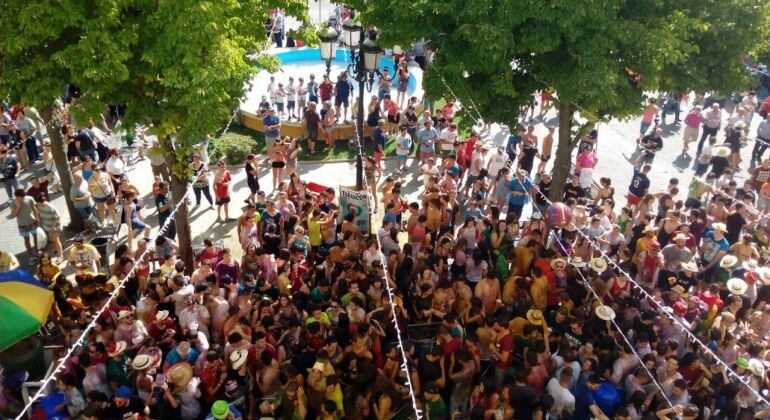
x=711 y=297
x=162 y=328
x=326 y=88
x=470 y=145
x=448 y=343
x=502 y=349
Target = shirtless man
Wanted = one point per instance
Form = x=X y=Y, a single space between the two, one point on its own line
x=545 y=153
x=530 y=134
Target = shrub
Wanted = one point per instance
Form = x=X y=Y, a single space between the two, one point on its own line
x=233 y=146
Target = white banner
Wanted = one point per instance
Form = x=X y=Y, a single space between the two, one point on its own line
x=356 y=202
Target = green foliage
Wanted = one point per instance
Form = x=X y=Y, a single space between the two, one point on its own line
x=579 y=48
x=235 y=145
x=179 y=65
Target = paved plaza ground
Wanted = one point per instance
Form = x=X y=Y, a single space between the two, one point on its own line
x=615 y=147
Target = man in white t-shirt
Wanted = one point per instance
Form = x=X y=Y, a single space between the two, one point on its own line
x=291 y=98
x=559 y=389
x=428 y=170
x=497 y=161
x=447 y=139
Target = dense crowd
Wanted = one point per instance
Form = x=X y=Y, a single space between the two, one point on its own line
x=517 y=306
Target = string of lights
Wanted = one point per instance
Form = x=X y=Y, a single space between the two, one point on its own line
x=693 y=338
x=590 y=288
x=612 y=321
x=400 y=343
x=161 y=230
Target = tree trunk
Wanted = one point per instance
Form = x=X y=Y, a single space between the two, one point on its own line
x=178 y=189
x=563 y=162
x=59 y=150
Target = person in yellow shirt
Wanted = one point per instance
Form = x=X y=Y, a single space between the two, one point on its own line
x=8 y=261
x=643 y=243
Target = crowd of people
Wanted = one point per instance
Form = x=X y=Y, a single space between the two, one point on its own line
x=648 y=303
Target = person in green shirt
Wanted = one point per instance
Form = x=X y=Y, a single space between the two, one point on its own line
x=321 y=293
x=354 y=291
x=503 y=266
x=435 y=407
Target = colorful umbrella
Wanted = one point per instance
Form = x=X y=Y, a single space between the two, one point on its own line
x=24 y=306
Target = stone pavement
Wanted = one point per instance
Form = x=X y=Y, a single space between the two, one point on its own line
x=615 y=146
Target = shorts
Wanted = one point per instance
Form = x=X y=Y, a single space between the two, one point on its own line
x=633 y=200
x=102 y=200
x=270 y=141
x=50 y=229
x=393 y=118
x=278 y=165
x=222 y=200
x=291 y=105
x=312 y=134
x=279 y=106
x=253 y=185
x=402 y=157
x=545 y=158
x=690 y=134
x=86 y=212
x=644 y=127
x=692 y=203
x=425 y=155
x=377 y=157
x=329 y=129
x=28 y=230
x=341 y=101
x=471 y=179
x=302 y=102
x=138 y=225
x=762 y=203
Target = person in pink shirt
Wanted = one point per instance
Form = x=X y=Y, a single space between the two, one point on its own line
x=584 y=166
x=691 y=127
x=650 y=112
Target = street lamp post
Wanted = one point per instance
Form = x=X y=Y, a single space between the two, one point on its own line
x=364 y=64
x=328 y=37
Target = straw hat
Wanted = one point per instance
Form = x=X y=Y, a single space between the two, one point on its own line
x=721 y=151
x=721 y=227
x=535 y=317
x=124 y=314
x=180 y=375
x=141 y=362
x=740 y=124
x=750 y=266
x=764 y=275
x=578 y=262
x=558 y=261
x=679 y=289
x=756 y=367
x=690 y=266
x=737 y=286
x=680 y=237
x=728 y=261
x=650 y=228
x=161 y=315
x=238 y=358
x=598 y=264
x=116 y=349
x=605 y=312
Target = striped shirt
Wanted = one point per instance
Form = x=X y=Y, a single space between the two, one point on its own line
x=49 y=217
x=157 y=158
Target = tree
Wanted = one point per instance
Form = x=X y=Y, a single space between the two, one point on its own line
x=179 y=66
x=493 y=54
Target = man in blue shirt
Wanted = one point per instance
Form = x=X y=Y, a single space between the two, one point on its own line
x=272 y=124
x=585 y=406
x=342 y=91
x=713 y=247
x=639 y=185
x=427 y=137
x=518 y=193
x=513 y=144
